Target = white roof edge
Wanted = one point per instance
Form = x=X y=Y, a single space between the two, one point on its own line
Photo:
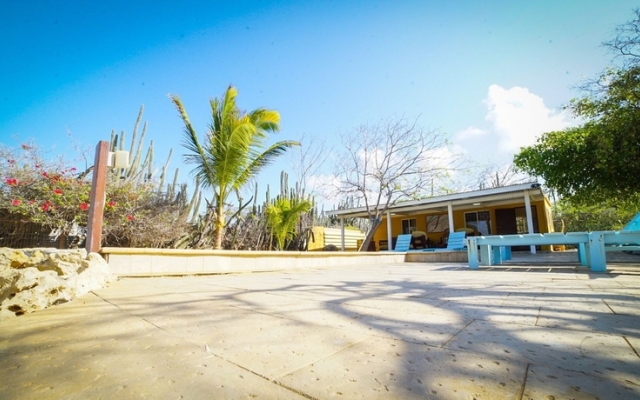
x=446 y=198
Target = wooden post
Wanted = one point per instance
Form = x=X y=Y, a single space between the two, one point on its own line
x=98 y=197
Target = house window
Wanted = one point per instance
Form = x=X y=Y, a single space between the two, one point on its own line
x=408 y=225
x=480 y=221
x=437 y=223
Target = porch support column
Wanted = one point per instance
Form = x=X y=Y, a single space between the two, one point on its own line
x=527 y=208
x=389 y=235
x=450 y=209
x=342 y=233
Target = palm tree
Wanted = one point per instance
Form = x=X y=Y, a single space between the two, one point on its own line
x=283 y=215
x=232 y=151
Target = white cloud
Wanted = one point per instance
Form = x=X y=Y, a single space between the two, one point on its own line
x=470 y=132
x=516 y=118
x=519 y=117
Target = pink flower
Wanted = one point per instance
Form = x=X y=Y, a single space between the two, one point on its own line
x=11 y=181
x=46 y=206
x=111 y=204
x=83 y=206
x=16 y=202
x=57 y=191
x=11 y=161
x=129 y=217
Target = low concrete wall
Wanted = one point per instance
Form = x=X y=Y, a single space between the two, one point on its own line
x=151 y=262
x=437 y=256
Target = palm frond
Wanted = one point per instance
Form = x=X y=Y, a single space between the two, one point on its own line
x=283 y=215
x=197 y=154
x=261 y=160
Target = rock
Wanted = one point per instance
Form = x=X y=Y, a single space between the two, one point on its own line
x=11 y=258
x=36 y=290
x=36 y=256
x=34 y=279
x=8 y=279
x=94 y=274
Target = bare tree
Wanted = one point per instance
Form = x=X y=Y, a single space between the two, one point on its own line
x=495 y=176
x=307 y=161
x=390 y=161
x=625 y=48
x=626 y=43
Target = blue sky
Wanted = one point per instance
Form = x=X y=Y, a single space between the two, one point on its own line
x=491 y=74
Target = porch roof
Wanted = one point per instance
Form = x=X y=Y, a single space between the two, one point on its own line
x=477 y=199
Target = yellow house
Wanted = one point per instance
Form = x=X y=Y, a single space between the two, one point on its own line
x=514 y=209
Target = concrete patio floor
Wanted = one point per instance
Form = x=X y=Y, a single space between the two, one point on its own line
x=395 y=331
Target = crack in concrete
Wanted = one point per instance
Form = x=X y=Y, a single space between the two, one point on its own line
x=282 y=385
x=456 y=334
x=138 y=316
x=632 y=348
x=325 y=357
x=207 y=350
x=520 y=393
x=607 y=304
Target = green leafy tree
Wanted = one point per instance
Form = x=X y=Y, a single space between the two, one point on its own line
x=282 y=217
x=600 y=159
x=232 y=151
x=606 y=216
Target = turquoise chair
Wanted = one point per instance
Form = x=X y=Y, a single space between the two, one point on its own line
x=616 y=245
x=403 y=243
x=456 y=242
x=634 y=224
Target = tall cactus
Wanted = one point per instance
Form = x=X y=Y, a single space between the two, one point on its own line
x=195 y=211
x=164 y=171
x=142 y=170
x=135 y=163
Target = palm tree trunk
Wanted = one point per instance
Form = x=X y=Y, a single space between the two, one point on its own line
x=219 y=224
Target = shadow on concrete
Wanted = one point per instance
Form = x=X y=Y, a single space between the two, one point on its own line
x=432 y=328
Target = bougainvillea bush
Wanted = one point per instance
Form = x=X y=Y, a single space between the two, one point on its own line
x=55 y=195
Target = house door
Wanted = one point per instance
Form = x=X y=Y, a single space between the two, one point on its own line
x=506 y=221
x=512 y=221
